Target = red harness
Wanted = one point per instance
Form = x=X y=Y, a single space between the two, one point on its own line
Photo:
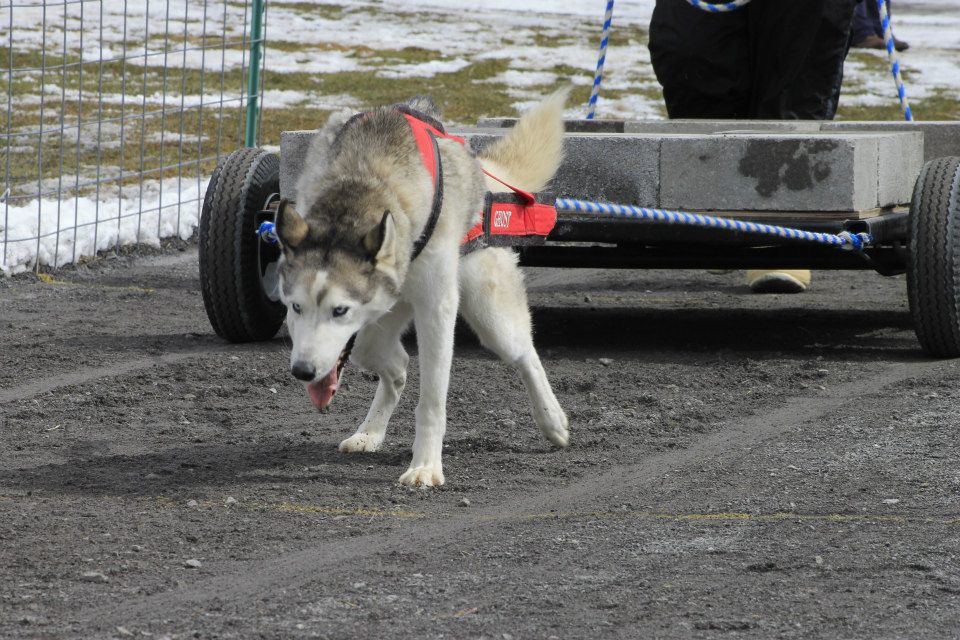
x=520 y=215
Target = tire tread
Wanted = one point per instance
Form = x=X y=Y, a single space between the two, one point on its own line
x=933 y=278
x=235 y=303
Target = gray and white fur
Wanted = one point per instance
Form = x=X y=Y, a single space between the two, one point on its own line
x=364 y=198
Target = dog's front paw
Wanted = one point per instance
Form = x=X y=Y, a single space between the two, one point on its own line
x=553 y=425
x=430 y=475
x=360 y=443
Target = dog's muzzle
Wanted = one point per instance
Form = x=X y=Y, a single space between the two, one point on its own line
x=322 y=391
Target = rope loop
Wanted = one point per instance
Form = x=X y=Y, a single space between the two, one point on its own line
x=719 y=7
x=268 y=233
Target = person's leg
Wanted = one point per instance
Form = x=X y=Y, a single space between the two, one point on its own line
x=865 y=26
x=799 y=47
x=701 y=59
x=898 y=44
x=873 y=13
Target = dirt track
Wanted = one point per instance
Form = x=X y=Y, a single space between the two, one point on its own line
x=747 y=466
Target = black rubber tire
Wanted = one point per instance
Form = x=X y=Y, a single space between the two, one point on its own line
x=933 y=272
x=238 y=308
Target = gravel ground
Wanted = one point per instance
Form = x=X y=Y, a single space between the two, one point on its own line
x=755 y=466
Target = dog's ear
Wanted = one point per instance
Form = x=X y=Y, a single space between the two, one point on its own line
x=381 y=242
x=291 y=227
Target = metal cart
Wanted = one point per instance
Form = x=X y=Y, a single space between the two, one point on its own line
x=897 y=182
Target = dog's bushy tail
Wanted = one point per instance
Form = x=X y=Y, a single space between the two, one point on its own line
x=530 y=154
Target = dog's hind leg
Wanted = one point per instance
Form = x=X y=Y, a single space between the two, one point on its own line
x=493 y=301
x=379 y=350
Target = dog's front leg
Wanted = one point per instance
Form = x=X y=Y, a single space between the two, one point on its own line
x=435 y=315
x=380 y=350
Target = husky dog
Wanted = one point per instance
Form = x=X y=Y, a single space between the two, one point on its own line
x=350 y=267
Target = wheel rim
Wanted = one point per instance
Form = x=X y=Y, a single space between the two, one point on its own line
x=268 y=261
x=270 y=279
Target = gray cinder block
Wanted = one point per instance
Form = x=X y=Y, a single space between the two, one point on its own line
x=899 y=162
x=708 y=127
x=733 y=171
x=668 y=126
x=293 y=152
x=940 y=138
x=764 y=172
x=603 y=167
x=571 y=126
x=610 y=168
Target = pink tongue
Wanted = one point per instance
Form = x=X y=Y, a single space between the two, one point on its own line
x=322 y=391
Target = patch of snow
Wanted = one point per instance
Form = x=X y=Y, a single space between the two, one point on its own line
x=423 y=70
x=56 y=232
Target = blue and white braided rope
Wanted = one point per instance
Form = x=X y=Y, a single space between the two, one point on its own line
x=843 y=240
x=598 y=76
x=894 y=60
x=720 y=7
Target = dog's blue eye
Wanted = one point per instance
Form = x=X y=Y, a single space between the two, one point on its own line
x=296 y=307
x=339 y=311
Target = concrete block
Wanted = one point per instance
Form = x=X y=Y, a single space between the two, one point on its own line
x=571 y=126
x=734 y=171
x=604 y=167
x=764 y=172
x=940 y=138
x=899 y=163
x=720 y=126
x=670 y=126
x=293 y=152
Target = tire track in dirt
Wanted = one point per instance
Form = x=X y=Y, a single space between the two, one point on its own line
x=93 y=374
x=251 y=580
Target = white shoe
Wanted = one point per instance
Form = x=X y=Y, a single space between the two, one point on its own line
x=778 y=281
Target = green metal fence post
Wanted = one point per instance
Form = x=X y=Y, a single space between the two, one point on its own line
x=253 y=72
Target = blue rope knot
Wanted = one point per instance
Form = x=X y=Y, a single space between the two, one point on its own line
x=268 y=233
x=854 y=241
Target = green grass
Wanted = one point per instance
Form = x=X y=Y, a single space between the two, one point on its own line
x=460 y=94
x=626 y=36
x=551 y=40
x=58 y=155
x=464 y=95
x=872 y=62
x=31 y=159
x=327 y=11
x=275 y=121
x=940 y=106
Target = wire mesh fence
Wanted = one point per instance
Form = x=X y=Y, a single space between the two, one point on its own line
x=117 y=111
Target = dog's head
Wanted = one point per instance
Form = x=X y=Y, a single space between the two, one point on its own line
x=337 y=274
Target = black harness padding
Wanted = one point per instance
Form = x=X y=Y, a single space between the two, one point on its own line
x=345 y=355
x=424 y=238
x=421 y=116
